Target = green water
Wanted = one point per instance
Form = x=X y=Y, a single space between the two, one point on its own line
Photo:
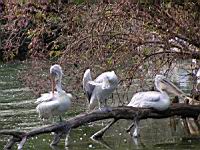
x=17 y=111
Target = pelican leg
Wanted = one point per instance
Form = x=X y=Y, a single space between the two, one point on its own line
x=67 y=138
x=112 y=97
x=60 y=118
x=88 y=109
x=100 y=104
x=106 y=105
x=107 y=108
x=93 y=103
x=119 y=100
x=136 y=129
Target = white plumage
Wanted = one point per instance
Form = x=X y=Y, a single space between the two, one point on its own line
x=158 y=100
x=98 y=90
x=54 y=103
x=198 y=80
x=150 y=99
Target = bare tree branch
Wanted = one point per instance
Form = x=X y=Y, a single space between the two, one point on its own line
x=125 y=112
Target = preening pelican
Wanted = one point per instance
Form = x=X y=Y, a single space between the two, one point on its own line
x=99 y=90
x=56 y=102
x=158 y=100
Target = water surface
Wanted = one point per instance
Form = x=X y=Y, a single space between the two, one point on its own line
x=17 y=111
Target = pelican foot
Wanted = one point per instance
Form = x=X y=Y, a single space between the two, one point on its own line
x=60 y=119
x=106 y=109
x=136 y=134
x=46 y=121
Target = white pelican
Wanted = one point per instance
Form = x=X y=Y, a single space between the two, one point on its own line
x=194 y=62
x=158 y=100
x=198 y=80
x=99 y=90
x=54 y=103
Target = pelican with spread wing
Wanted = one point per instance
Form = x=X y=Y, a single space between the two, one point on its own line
x=158 y=100
x=56 y=102
x=98 y=90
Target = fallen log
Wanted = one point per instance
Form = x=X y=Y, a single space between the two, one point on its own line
x=116 y=113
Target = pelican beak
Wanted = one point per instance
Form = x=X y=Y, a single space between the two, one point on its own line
x=52 y=83
x=170 y=87
x=166 y=83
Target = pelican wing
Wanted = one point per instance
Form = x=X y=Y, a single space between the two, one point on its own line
x=103 y=81
x=88 y=88
x=198 y=80
x=93 y=83
x=104 y=85
x=142 y=98
x=46 y=97
x=86 y=77
x=47 y=109
x=198 y=73
x=109 y=80
x=101 y=77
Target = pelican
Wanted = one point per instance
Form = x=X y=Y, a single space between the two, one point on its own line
x=55 y=102
x=198 y=80
x=158 y=100
x=197 y=74
x=99 y=90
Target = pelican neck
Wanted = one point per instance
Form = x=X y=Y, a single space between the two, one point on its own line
x=58 y=86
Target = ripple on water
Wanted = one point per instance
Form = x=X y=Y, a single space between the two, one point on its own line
x=17 y=96
x=7 y=113
x=17 y=105
x=17 y=111
x=24 y=89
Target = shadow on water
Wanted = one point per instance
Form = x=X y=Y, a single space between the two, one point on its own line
x=17 y=111
x=183 y=143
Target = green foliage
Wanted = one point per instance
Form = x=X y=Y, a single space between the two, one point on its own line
x=146 y=51
x=79 y=1
x=55 y=54
x=99 y=35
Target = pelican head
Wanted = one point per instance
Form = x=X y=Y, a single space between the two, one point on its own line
x=56 y=75
x=160 y=82
x=163 y=84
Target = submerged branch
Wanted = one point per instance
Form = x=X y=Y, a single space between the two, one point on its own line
x=100 y=133
x=124 y=112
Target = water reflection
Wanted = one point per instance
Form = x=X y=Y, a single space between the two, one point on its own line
x=58 y=147
x=103 y=143
x=138 y=142
x=17 y=111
